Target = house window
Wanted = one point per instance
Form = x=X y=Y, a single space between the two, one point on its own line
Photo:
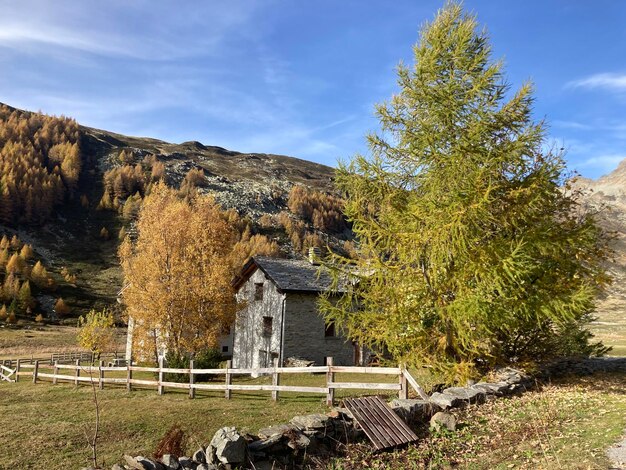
x=224 y=349
x=258 y=291
x=329 y=332
x=267 y=326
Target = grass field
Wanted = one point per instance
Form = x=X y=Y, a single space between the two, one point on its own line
x=610 y=328
x=41 y=340
x=46 y=426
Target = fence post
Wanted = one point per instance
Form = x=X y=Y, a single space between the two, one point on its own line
x=192 y=391
x=275 y=380
x=228 y=379
x=160 y=385
x=17 y=370
x=77 y=372
x=403 y=393
x=35 y=371
x=101 y=375
x=129 y=375
x=55 y=371
x=330 y=378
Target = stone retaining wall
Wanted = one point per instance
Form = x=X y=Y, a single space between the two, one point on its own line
x=285 y=445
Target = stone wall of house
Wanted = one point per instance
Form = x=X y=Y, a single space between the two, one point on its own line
x=305 y=333
x=254 y=347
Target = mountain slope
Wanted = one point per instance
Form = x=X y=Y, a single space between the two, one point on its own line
x=608 y=195
x=81 y=237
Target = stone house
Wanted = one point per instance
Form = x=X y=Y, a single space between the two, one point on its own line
x=281 y=319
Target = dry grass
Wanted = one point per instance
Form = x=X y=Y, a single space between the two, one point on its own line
x=40 y=340
x=565 y=425
x=610 y=328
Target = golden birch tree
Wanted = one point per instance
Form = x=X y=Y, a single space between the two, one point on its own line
x=178 y=273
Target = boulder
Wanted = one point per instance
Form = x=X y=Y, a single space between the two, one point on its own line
x=199 y=455
x=310 y=422
x=170 y=461
x=262 y=444
x=140 y=463
x=467 y=394
x=230 y=446
x=499 y=388
x=275 y=430
x=443 y=420
x=445 y=400
x=298 y=441
x=186 y=462
x=411 y=411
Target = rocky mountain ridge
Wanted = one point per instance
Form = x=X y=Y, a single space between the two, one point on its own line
x=607 y=195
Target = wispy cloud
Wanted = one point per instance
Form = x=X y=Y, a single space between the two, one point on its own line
x=571 y=125
x=605 y=162
x=609 y=81
x=120 y=29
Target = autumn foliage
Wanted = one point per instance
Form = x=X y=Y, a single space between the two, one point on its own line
x=178 y=272
x=324 y=211
x=40 y=164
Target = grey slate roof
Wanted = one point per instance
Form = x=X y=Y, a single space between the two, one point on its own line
x=292 y=275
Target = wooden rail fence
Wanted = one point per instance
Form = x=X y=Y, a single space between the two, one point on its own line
x=78 y=374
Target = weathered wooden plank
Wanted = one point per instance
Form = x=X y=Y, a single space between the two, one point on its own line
x=300 y=370
x=411 y=380
x=371 y=430
x=366 y=386
x=379 y=422
x=398 y=431
x=367 y=370
x=280 y=388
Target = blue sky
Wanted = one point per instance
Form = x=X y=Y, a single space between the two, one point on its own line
x=300 y=77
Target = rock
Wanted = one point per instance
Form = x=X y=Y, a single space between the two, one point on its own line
x=170 y=462
x=469 y=395
x=499 y=388
x=441 y=420
x=186 y=462
x=264 y=465
x=199 y=456
x=341 y=413
x=314 y=421
x=275 y=430
x=207 y=466
x=411 y=410
x=140 y=463
x=298 y=362
x=263 y=444
x=299 y=441
x=445 y=400
x=230 y=446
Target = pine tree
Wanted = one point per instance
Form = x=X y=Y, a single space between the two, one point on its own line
x=25 y=297
x=16 y=264
x=104 y=233
x=61 y=308
x=4 y=257
x=471 y=251
x=26 y=252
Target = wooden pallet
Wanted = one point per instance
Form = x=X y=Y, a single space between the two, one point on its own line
x=381 y=424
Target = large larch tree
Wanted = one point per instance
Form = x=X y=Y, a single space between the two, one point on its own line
x=473 y=249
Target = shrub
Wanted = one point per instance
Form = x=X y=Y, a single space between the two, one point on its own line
x=174 y=443
x=207 y=359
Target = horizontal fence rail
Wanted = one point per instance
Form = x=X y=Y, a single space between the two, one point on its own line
x=95 y=375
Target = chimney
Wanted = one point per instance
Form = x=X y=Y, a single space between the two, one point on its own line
x=315 y=254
